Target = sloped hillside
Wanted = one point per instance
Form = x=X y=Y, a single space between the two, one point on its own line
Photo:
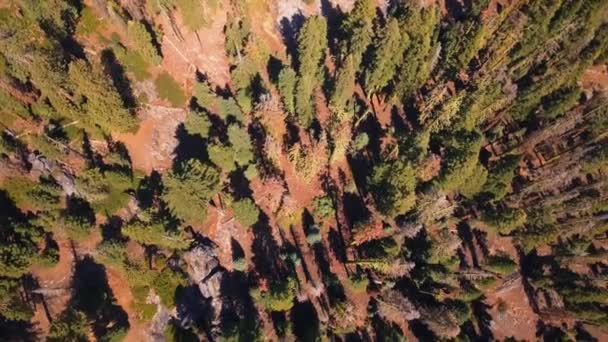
x=280 y=170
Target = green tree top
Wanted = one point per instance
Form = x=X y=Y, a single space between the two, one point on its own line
x=312 y=42
x=99 y=98
x=388 y=56
x=394 y=183
x=143 y=42
x=359 y=29
x=189 y=188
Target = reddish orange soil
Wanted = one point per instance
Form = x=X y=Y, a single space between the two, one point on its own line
x=184 y=52
x=518 y=320
x=152 y=146
x=57 y=277
x=595 y=79
x=322 y=112
x=124 y=298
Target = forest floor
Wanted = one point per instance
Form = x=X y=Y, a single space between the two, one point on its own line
x=153 y=146
x=185 y=51
x=59 y=277
x=595 y=79
x=124 y=297
x=511 y=312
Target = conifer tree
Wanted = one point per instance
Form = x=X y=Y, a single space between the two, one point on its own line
x=287 y=88
x=312 y=43
x=100 y=101
x=189 y=188
x=388 y=56
x=143 y=42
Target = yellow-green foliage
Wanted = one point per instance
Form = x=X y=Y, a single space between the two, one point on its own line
x=389 y=51
x=312 y=42
x=507 y=220
x=280 y=297
x=394 y=182
x=98 y=98
x=189 y=188
x=143 y=42
x=88 y=22
x=246 y=212
x=107 y=191
x=154 y=232
x=170 y=90
x=195 y=13
x=133 y=62
x=461 y=162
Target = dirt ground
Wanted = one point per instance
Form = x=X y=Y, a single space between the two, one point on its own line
x=184 y=51
x=124 y=298
x=57 y=277
x=518 y=319
x=153 y=145
x=595 y=79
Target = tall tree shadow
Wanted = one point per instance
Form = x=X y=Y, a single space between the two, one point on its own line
x=266 y=250
x=190 y=146
x=238 y=310
x=193 y=309
x=93 y=296
x=289 y=30
x=149 y=189
x=239 y=184
x=466 y=235
x=119 y=78
x=305 y=322
x=336 y=244
x=422 y=331
x=17 y=330
x=111 y=230
x=354 y=209
x=484 y=319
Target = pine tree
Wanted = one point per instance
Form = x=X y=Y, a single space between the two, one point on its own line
x=312 y=43
x=344 y=86
x=197 y=123
x=100 y=101
x=358 y=27
x=421 y=25
x=394 y=183
x=388 y=56
x=246 y=212
x=287 y=88
x=241 y=144
x=143 y=42
x=189 y=188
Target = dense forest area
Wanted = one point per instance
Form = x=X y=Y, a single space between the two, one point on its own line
x=260 y=170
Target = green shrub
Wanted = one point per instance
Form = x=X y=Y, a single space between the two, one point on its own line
x=280 y=297
x=170 y=90
x=165 y=285
x=501 y=264
x=313 y=235
x=189 y=188
x=246 y=212
x=133 y=62
x=222 y=156
x=197 y=123
x=71 y=326
x=361 y=141
x=505 y=221
x=358 y=282
x=144 y=310
x=240 y=264
x=88 y=22
x=323 y=207
x=143 y=42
